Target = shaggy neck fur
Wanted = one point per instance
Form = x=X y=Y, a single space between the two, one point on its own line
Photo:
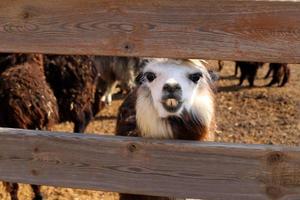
x=194 y=123
x=149 y=123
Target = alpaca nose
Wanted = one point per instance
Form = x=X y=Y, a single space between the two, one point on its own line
x=171 y=87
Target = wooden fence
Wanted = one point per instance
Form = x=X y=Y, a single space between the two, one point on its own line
x=229 y=29
x=226 y=29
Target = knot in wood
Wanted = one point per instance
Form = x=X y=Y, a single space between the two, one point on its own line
x=36 y=150
x=34 y=172
x=275 y=157
x=132 y=148
x=25 y=15
x=128 y=47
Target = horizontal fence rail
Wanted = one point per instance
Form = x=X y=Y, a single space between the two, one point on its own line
x=154 y=167
x=265 y=30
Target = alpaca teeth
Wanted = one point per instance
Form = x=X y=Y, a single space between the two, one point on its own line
x=172 y=102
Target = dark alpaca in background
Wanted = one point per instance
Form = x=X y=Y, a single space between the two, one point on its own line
x=280 y=74
x=73 y=80
x=248 y=71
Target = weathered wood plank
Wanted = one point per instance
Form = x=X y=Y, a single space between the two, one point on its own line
x=169 y=168
x=265 y=30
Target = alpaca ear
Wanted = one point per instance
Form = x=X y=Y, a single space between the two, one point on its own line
x=139 y=79
x=214 y=76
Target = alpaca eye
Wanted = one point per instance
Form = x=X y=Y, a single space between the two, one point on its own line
x=195 y=77
x=150 y=76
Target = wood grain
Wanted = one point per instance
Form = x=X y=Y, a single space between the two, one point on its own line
x=265 y=30
x=154 y=167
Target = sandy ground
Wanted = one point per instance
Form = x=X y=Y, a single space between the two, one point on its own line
x=257 y=115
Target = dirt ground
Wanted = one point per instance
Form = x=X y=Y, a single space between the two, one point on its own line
x=257 y=115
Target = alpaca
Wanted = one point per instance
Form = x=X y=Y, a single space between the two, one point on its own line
x=173 y=100
x=281 y=74
x=27 y=101
x=115 y=71
x=248 y=70
x=73 y=80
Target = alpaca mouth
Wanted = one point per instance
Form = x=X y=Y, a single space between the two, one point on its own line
x=171 y=104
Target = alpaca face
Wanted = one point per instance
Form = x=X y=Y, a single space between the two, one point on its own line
x=174 y=86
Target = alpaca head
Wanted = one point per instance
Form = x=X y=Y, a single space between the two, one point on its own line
x=171 y=88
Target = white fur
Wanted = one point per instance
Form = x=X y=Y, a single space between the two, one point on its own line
x=203 y=107
x=151 y=126
x=197 y=98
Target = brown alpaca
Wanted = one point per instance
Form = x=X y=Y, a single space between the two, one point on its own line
x=27 y=101
x=73 y=80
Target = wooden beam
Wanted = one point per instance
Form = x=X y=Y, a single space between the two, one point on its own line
x=154 y=167
x=265 y=30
